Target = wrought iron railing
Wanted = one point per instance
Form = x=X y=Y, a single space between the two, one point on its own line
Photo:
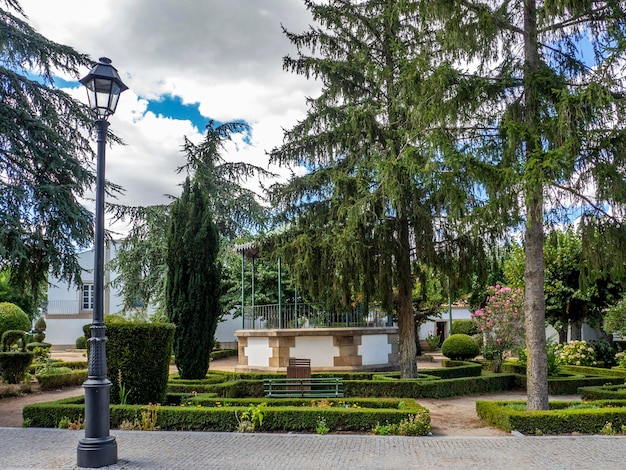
x=306 y=316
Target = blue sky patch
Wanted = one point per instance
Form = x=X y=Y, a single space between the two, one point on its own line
x=172 y=107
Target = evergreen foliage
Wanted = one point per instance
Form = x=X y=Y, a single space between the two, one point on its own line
x=141 y=259
x=375 y=206
x=193 y=280
x=12 y=318
x=134 y=381
x=46 y=159
x=542 y=126
x=460 y=347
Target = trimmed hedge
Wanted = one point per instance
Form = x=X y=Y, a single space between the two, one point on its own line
x=59 y=377
x=597 y=371
x=570 y=385
x=140 y=353
x=14 y=364
x=605 y=392
x=460 y=346
x=12 y=317
x=560 y=419
x=222 y=353
x=416 y=388
x=293 y=417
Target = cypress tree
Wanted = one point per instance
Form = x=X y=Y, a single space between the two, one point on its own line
x=193 y=281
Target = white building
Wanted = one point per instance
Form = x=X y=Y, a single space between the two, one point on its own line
x=70 y=307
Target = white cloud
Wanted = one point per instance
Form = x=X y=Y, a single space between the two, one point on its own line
x=224 y=55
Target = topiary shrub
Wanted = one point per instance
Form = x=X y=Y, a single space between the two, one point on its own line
x=138 y=361
x=465 y=327
x=81 y=342
x=460 y=347
x=12 y=317
x=40 y=329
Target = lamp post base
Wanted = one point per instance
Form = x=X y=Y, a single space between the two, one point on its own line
x=98 y=448
x=97 y=452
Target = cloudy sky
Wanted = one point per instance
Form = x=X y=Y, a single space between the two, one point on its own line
x=185 y=62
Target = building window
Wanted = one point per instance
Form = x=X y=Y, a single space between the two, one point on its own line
x=87 y=301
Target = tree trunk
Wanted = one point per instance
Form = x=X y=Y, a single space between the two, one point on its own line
x=534 y=309
x=534 y=274
x=406 y=320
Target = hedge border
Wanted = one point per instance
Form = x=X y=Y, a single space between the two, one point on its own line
x=557 y=420
x=224 y=418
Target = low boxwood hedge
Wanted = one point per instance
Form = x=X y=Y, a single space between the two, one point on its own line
x=597 y=371
x=604 y=392
x=562 y=418
x=224 y=417
x=416 y=388
x=570 y=385
x=59 y=377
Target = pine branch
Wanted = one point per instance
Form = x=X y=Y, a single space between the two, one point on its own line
x=586 y=199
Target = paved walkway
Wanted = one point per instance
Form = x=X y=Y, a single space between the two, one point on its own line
x=56 y=449
x=43 y=449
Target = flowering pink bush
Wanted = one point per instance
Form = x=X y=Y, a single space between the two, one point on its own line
x=501 y=322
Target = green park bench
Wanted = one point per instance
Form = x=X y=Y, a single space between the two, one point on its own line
x=316 y=387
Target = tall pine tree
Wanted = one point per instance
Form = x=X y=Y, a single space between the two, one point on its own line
x=374 y=206
x=46 y=159
x=193 y=280
x=542 y=126
x=235 y=209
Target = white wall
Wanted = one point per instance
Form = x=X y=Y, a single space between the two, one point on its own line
x=258 y=351
x=319 y=349
x=374 y=349
x=458 y=313
x=64 y=331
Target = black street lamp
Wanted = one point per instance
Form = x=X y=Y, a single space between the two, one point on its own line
x=98 y=448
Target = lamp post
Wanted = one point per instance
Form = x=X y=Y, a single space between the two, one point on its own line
x=98 y=448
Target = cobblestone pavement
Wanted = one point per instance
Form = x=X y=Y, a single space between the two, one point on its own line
x=56 y=449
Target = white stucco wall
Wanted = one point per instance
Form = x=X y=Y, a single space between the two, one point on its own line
x=64 y=331
x=374 y=349
x=258 y=351
x=319 y=349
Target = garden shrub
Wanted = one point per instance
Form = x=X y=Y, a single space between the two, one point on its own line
x=570 y=385
x=575 y=353
x=460 y=346
x=14 y=364
x=12 y=317
x=81 y=342
x=58 y=377
x=40 y=330
x=465 y=327
x=603 y=392
x=138 y=358
x=605 y=352
x=278 y=415
x=562 y=418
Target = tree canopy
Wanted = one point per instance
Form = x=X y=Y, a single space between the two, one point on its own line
x=235 y=210
x=540 y=123
x=376 y=203
x=46 y=158
x=193 y=280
